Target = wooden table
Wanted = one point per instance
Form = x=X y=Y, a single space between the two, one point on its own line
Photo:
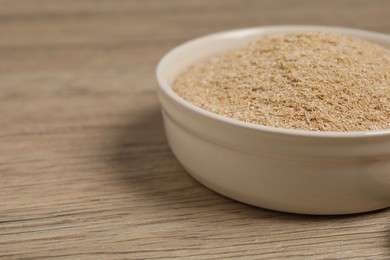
x=85 y=169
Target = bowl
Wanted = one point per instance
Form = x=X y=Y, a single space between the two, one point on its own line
x=285 y=170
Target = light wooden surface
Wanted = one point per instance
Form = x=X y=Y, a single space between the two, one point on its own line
x=85 y=169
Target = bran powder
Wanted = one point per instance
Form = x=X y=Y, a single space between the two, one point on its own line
x=318 y=81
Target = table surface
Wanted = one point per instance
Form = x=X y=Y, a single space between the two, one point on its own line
x=85 y=168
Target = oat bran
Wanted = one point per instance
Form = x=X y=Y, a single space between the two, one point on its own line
x=318 y=81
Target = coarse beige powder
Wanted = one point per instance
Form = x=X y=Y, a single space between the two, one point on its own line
x=316 y=81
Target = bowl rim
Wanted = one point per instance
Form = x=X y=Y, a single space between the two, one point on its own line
x=165 y=87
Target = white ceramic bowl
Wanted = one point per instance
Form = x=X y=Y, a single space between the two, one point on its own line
x=286 y=170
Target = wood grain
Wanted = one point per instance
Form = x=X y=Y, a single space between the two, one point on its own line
x=85 y=169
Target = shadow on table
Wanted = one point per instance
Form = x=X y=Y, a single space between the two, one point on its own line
x=143 y=161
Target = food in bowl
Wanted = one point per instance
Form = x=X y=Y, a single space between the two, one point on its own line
x=284 y=169
x=310 y=80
